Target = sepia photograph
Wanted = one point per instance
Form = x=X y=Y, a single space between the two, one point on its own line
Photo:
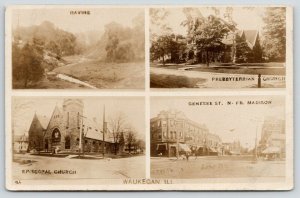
x=149 y=97
x=218 y=47
x=241 y=137
x=77 y=138
x=80 y=48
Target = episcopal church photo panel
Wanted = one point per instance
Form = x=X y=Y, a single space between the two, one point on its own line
x=78 y=137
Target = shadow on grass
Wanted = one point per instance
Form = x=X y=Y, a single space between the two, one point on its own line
x=173 y=81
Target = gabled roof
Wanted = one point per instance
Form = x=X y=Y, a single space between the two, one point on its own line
x=44 y=120
x=93 y=130
x=251 y=36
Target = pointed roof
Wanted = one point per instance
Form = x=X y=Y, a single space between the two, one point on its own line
x=92 y=130
x=44 y=120
x=251 y=36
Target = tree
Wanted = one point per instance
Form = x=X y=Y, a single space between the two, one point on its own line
x=111 y=47
x=161 y=47
x=27 y=62
x=54 y=48
x=243 y=51
x=208 y=34
x=124 y=53
x=117 y=125
x=131 y=140
x=158 y=23
x=274 y=33
x=121 y=141
x=138 y=33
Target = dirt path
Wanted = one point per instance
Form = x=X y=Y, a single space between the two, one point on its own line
x=74 y=80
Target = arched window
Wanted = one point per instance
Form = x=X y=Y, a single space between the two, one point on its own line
x=67 y=142
x=56 y=135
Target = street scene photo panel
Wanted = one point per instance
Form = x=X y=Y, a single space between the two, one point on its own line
x=218 y=137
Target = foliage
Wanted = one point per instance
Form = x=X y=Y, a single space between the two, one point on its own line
x=57 y=41
x=124 y=44
x=243 y=51
x=161 y=47
x=275 y=33
x=158 y=23
x=131 y=140
x=117 y=124
x=208 y=34
x=27 y=62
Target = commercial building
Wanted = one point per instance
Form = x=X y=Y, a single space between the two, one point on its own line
x=272 y=142
x=172 y=134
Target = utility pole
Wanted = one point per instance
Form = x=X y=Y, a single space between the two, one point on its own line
x=104 y=131
x=80 y=138
x=177 y=142
x=255 y=153
x=80 y=134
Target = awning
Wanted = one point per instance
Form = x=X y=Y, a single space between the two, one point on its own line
x=271 y=149
x=234 y=152
x=160 y=147
x=184 y=147
x=213 y=150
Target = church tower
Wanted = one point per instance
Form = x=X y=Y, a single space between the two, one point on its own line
x=72 y=119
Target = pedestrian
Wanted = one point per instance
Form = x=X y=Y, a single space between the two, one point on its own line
x=187 y=156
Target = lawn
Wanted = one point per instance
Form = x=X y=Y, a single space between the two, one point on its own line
x=242 y=70
x=107 y=75
x=264 y=69
x=173 y=81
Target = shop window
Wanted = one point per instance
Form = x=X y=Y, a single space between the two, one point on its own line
x=67 y=142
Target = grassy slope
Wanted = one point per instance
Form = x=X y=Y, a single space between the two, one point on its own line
x=107 y=75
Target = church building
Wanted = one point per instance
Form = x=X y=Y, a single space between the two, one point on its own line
x=69 y=131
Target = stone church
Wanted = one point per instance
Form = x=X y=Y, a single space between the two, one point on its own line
x=61 y=132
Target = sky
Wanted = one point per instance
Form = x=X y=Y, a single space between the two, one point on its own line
x=132 y=107
x=230 y=122
x=62 y=18
x=245 y=18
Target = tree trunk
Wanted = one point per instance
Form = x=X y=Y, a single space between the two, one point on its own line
x=116 y=148
x=207 y=59
x=163 y=60
x=129 y=148
x=25 y=83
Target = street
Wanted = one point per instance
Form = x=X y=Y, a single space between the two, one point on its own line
x=216 y=167
x=39 y=167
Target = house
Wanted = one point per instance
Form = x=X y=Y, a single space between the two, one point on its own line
x=21 y=143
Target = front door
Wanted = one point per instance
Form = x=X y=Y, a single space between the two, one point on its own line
x=56 y=139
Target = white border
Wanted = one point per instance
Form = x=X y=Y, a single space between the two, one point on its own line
x=206 y=184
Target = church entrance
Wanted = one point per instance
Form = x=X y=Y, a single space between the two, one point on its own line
x=56 y=140
x=46 y=145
